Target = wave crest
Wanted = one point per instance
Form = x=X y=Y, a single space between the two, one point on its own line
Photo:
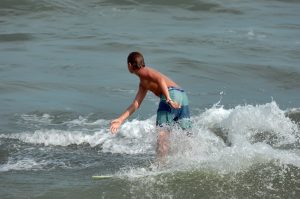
x=220 y=138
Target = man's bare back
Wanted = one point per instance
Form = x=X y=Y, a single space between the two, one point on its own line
x=148 y=80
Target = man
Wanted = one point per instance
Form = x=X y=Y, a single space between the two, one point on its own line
x=173 y=107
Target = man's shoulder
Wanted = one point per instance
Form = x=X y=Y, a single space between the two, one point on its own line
x=150 y=73
x=144 y=72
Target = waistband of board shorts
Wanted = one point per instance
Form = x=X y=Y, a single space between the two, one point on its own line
x=175 y=88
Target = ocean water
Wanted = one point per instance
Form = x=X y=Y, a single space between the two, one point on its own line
x=63 y=78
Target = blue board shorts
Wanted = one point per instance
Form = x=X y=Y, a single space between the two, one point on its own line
x=167 y=115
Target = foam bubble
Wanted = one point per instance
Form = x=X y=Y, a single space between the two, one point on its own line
x=222 y=139
x=24 y=164
x=44 y=118
x=207 y=149
x=134 y=137
x=244 y=122
x=257 y=134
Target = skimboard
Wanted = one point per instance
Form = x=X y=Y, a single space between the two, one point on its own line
x=101 y=177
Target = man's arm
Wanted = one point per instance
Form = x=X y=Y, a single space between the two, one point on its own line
x=115 y=124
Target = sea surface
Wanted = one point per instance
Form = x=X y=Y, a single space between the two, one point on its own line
x=64 y=77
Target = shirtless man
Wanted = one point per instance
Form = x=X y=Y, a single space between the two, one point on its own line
x=173 y=107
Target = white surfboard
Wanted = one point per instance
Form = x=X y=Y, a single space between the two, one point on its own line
x=102 y=177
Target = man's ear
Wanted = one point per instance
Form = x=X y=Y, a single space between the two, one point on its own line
x=134 y=66
x=131 y=66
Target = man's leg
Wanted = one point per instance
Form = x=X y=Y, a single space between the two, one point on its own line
x=163 y=144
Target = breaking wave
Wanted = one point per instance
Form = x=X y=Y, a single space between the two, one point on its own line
x=236 y=138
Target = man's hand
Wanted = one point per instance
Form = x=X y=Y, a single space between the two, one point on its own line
x=174 y=104
x=114 y=125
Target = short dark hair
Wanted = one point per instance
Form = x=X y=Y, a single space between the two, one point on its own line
x=136 y=59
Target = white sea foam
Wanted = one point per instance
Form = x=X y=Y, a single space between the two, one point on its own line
x=45 y=118
x=254 y=134
x=134 y=136
x=24 y=164
x=240 y=125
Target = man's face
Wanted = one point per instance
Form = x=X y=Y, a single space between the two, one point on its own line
x=130 y=68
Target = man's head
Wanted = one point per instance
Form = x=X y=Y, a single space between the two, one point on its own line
x=135 y=61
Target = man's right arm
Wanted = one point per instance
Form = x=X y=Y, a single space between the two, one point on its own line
x=115 y=124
